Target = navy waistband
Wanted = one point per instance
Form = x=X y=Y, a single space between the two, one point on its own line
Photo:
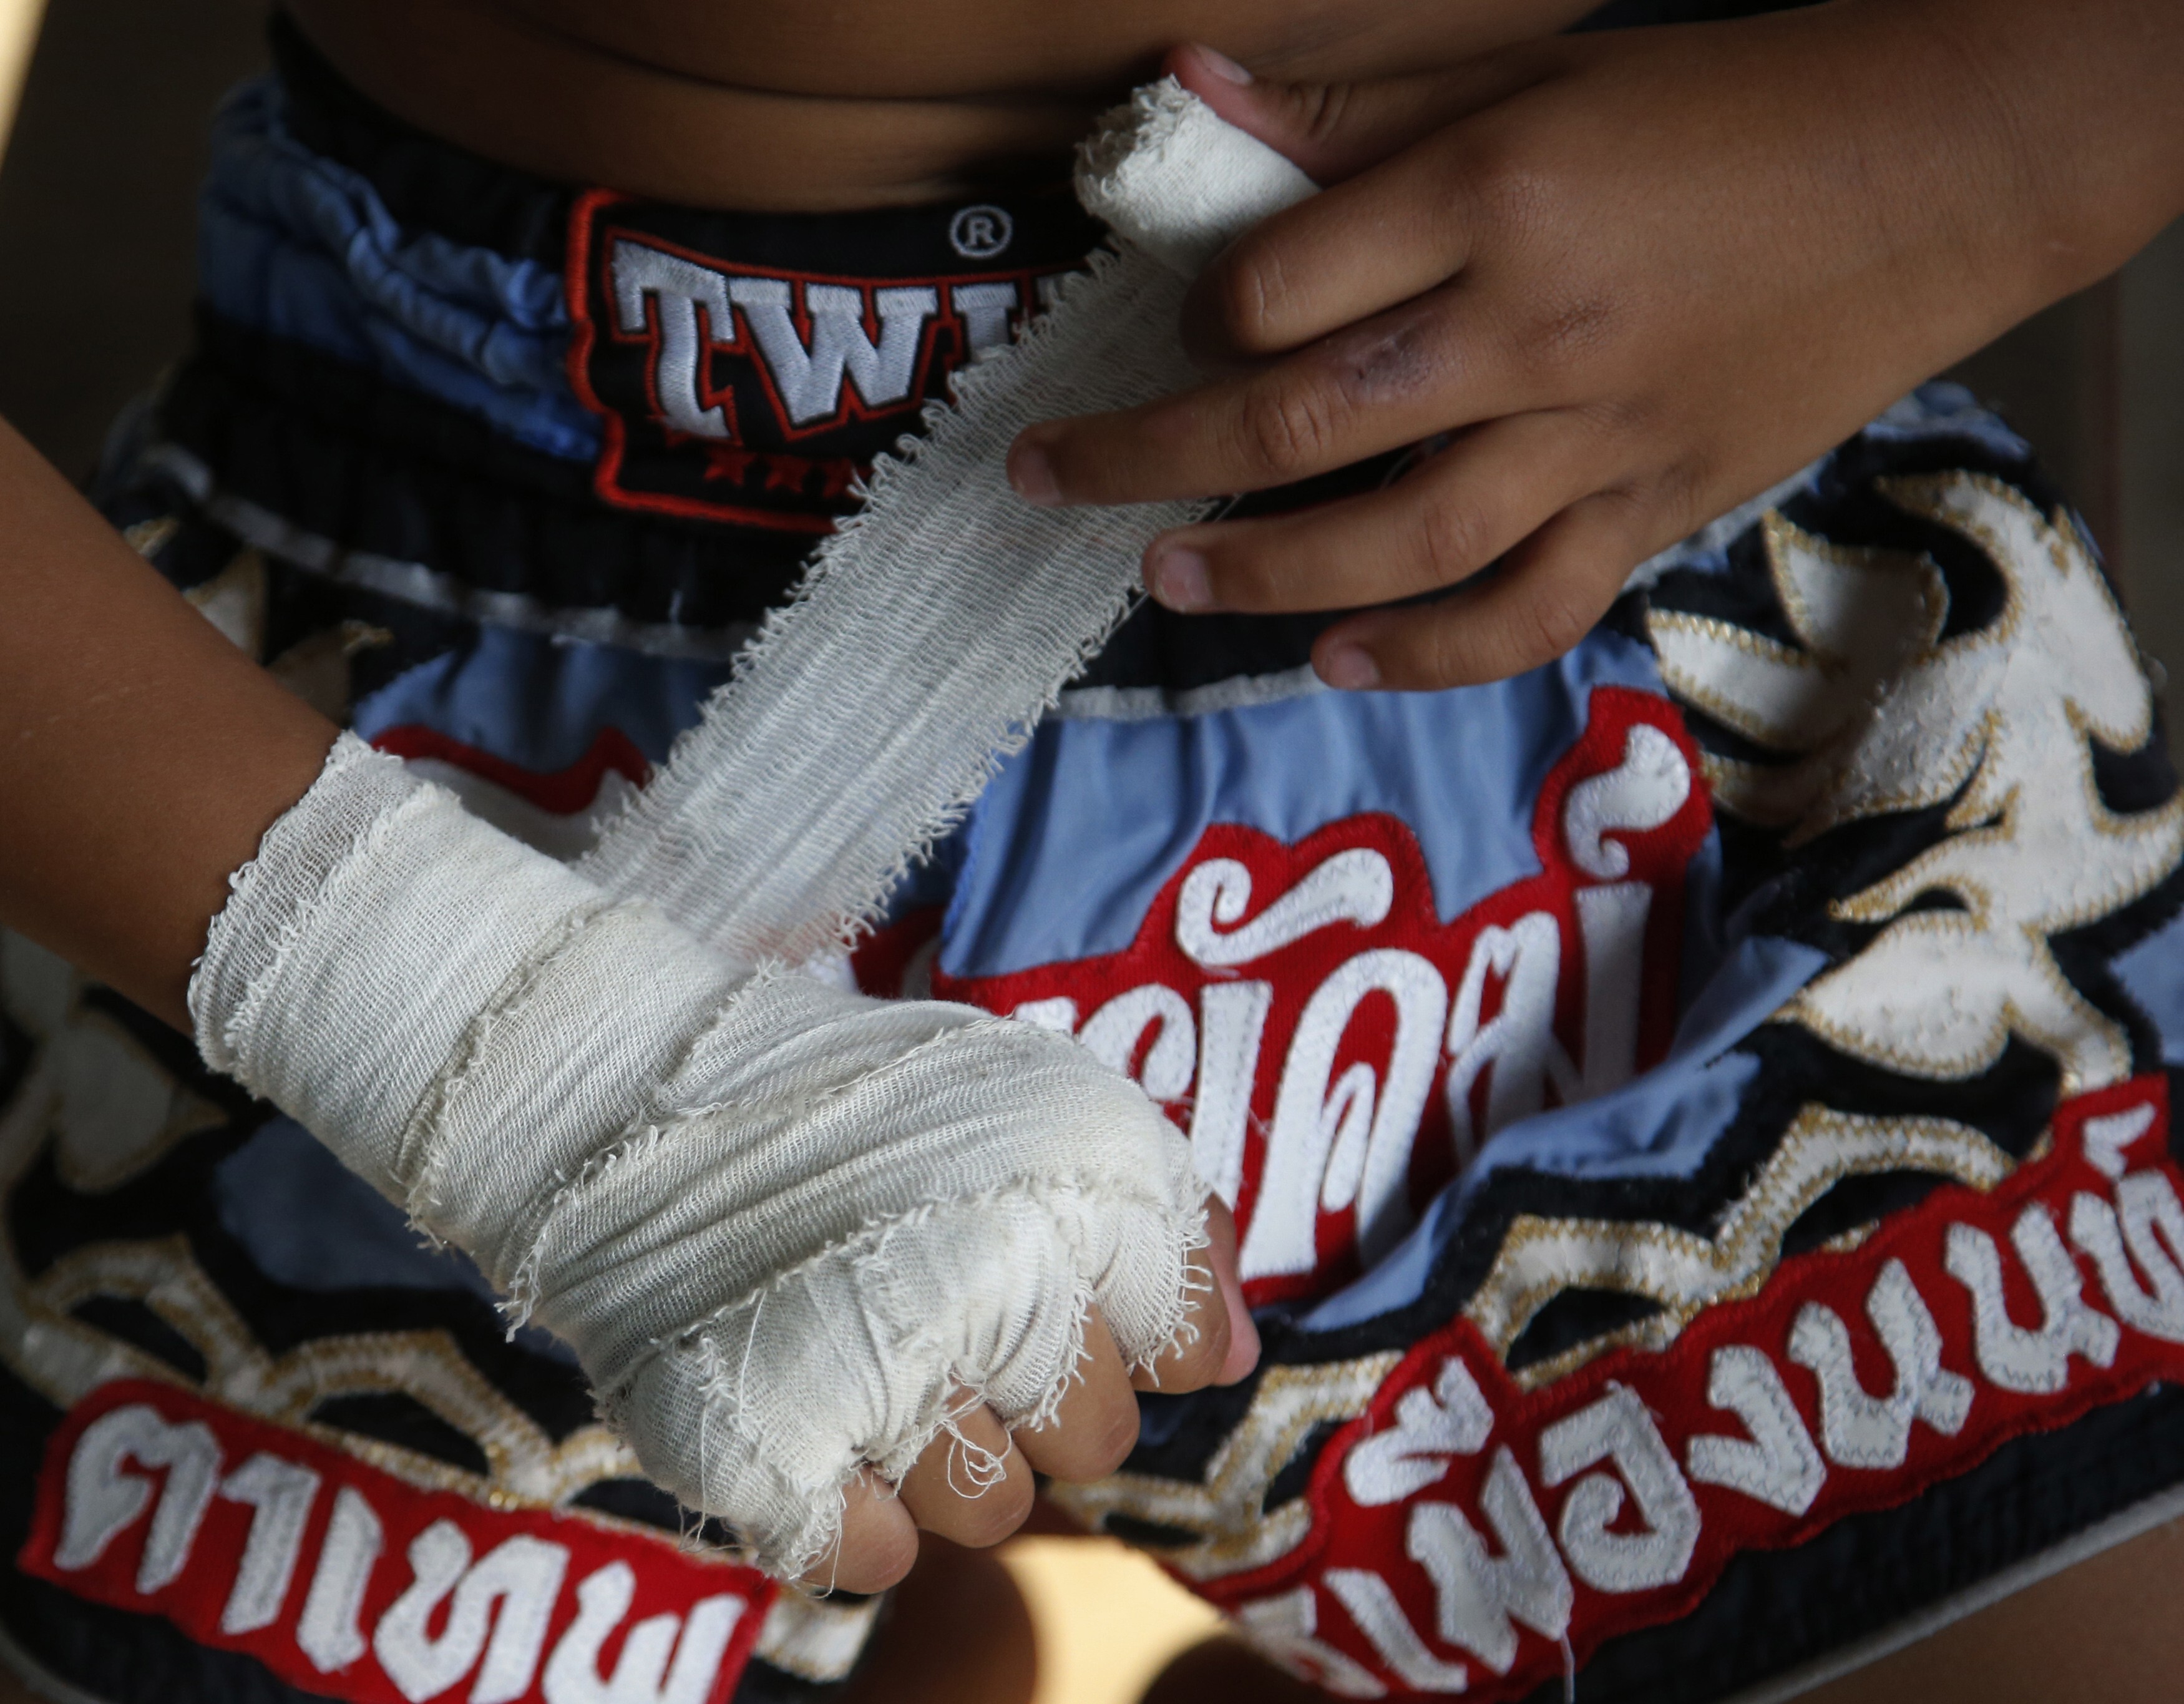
x=414 y=360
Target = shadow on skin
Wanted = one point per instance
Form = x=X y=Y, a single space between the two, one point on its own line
x=958 y=1632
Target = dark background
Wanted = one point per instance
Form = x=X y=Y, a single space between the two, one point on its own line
x=95 y=231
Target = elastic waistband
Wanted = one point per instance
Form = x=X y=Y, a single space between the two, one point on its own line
x=421 y=371
x=735 y=369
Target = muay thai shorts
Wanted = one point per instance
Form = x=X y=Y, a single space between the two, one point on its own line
x=1698 y=1113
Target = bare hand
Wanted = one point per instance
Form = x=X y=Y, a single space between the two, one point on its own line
x=1639 y=277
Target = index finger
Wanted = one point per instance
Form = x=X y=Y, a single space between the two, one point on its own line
x=1393 y=233
x=1425 y=367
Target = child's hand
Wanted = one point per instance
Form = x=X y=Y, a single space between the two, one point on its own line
x=1096 y=1427
x=1640 y=277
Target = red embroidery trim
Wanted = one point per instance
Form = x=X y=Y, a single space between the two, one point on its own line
x=350 y=1584
x=606 y=474
x=1394 y=1590
x=587 y=246
x=563 y=791
x=1369 y=924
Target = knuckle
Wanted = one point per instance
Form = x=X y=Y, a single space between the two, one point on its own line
x=1546 y=625
x=1452 y=542
x=1195 y=1363
x=1675 y=497
x=871 y=1559
x=1445 y=658
x=1512 y=194
x=1571 y=328
x=1283 y=431
x=1250 y=293
x=1105 y=1441
x=1322 y=110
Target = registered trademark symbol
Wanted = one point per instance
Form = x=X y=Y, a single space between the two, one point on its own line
x=982 y=232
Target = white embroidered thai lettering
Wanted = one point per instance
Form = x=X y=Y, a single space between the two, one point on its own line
x=1518 y=1044
x=1113 y=1032
x=1281 y=1628
x=1319 y=1121
x=330 y=1633
x=642 y=1673
x=1058 y=1015
x=1432 y=1425
x=1858 y=1430
x=1779 y=1464
x=1642 y=793
x=1478 y=1597
x=2149 y=1219
x=2036 y=1360
x=279 y=1494
x=1617 y=1429
x=1354 y=887
x=2109 y=1135
x=1232 y=1024
x=1372 y=1604
x=104 y=1499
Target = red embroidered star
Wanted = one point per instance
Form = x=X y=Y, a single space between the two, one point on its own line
x=725 y=461
x=835 y=477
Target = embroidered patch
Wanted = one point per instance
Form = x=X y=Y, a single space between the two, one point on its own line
x=1336 y=1051
x=752 y=391
x=1470 y=1535
x=350 y=1584
x=1878 y=712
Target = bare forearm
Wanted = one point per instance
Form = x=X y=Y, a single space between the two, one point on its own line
x=2078 y=160
x=142 y=756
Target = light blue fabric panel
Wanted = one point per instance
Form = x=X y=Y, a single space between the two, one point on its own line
x=308 y=1221
x=296 y=245
x=1661 y=1125
x=540 y=701
x=1079 y=831
x=2153 y=974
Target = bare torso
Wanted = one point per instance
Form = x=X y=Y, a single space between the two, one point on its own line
x=837 y=104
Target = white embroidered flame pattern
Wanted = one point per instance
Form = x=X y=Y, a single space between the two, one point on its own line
x=1880 y=713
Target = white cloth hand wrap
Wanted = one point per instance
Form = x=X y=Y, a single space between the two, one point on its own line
x=943 y=620
x=778 y=1222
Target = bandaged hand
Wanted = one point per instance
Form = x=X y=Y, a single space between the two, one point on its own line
x=1639 y=277
x=805 y=1244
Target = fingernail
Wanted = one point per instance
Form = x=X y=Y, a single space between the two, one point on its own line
x=1031 y=473
x=1223 y=66
x=1182 y=581
x=1350 y=669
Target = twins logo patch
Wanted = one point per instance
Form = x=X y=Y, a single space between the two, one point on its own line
x=1336 y=1051
x=1464 y=1529
x=350 y=1584
x=736 y=390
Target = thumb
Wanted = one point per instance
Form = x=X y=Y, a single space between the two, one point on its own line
x=1335 y=131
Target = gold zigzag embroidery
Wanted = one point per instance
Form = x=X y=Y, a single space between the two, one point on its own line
x=65 y=1358
x=1687 y=1273
x=1228 y=1507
